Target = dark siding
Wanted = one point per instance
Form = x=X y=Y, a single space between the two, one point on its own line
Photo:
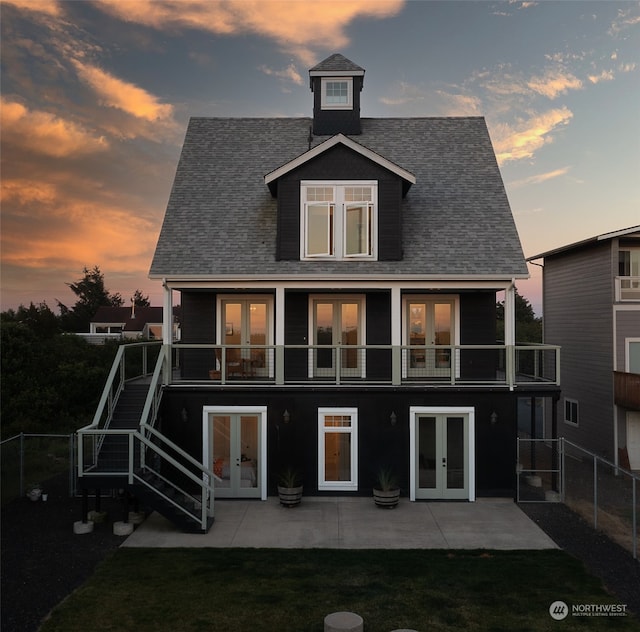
x=340 y=163
x=198 y=326
x=478 y=327
x=296 y=332
x=330 y=122
x=379 y=443
x=378 y=315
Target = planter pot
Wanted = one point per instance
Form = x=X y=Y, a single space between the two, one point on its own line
x=386 y=498
x=34 y=494
x=290 y=496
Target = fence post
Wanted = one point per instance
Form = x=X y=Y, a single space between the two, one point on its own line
x=22 y=464
x=595 y=492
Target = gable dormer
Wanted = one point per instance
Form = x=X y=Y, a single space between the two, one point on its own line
x=336 y=84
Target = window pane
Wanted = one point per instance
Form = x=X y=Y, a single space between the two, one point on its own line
x=320 y=229
x=337 y=92
x=337 y=456
x=357 y=238
x=333 y=421
x=455 y=453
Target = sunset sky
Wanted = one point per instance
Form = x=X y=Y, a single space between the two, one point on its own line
x=96 y=97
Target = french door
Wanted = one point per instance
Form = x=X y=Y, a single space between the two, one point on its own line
x=234 y=448
x=338 y=323
x=442 y=454
x=429 y=323
x=246 y=322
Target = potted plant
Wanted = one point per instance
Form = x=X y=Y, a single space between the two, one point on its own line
x=289 y=487
x=386 y=492
x=35 y=491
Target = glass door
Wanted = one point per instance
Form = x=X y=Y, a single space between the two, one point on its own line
x=442 y=456
x=236 y=455
x=429 y=325
x=245 y=323
x=337 y=323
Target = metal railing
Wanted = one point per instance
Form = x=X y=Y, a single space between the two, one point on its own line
x=603 y=493
x=455 y=365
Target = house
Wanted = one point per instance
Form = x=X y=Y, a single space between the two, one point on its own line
x=591 y=296
x=338 y=278
x=128 y=322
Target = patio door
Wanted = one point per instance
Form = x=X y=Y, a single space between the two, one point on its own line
x=246 y=322
x=429 y=323
x=442 y=457
x=234 y=447
x=337 y=323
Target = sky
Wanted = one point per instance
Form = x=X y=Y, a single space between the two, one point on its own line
x=96 y=98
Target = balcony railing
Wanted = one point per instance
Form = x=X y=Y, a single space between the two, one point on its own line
x=628 y=288
x=455 y=365
x=626 y=389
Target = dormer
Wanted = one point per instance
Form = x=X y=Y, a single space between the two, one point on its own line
x=336 y=84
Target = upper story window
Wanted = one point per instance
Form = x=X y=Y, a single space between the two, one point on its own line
x=628 y=283
x=339 y=220
x=337 y=93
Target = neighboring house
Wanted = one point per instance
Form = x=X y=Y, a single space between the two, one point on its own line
x=591 y=295
x=128 y=322
x=338 y=279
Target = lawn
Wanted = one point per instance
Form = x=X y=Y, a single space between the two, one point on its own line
x=185 y=590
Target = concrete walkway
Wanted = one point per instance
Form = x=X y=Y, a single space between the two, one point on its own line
x=354 y=523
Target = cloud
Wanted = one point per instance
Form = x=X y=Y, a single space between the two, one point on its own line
x=605 y=75
x=554 y=83
x=290 y=73
x=46 y=133
x=541 y=177
x=48 y=7
x=522 y=141
x=298 y=27
x=121 y=95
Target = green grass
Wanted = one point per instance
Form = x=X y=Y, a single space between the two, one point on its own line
x=293 y=590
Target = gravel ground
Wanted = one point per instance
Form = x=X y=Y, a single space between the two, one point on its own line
x=43 y=561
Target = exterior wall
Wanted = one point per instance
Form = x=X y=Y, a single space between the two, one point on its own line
x=578 y=296
x=330 y=122
x=340 y=163
x=379 y=442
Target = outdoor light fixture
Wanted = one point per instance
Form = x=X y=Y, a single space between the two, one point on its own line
x=393 y=418
x=286 y=417
x=494 y=418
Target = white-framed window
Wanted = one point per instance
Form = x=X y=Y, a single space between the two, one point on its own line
x=339 y=220
x=337 y=93
x=338 y=449
x=571 y=411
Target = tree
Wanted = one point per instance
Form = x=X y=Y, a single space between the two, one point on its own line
x=528 y=326
x=92 y=294
x=39 y=318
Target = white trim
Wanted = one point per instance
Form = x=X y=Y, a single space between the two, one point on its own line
x=208 y=411
x=470 y=412
x=348 y=79
x=328 y=144
x=345 y=486
x=627 y=352
x=336 y=73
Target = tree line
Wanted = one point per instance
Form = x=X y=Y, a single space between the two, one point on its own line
x=52 y=381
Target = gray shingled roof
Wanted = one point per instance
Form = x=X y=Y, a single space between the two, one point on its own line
x=221 y=218
x=336 y=62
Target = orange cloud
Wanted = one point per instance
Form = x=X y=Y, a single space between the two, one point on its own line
x=49 y=7
x=554 y=83
x=298 y=26
x=121 y=95
x=46 y=133
x=516 y=144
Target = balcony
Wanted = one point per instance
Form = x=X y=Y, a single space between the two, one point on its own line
x=437 y=365
x=627 y=288
x=626 y=390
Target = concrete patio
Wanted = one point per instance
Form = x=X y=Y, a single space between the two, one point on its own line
x=354 y=523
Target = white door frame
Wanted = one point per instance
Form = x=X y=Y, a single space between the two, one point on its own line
x=207 y=432
x=414 y=413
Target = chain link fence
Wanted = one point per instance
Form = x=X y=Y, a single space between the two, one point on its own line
x=606 y=496
x=30 y=460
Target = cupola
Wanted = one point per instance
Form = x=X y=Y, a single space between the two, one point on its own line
x=336 y=84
